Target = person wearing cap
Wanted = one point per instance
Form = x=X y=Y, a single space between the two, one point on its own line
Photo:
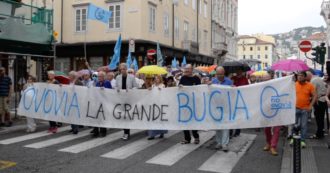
x=52 y=80
x=5 y=94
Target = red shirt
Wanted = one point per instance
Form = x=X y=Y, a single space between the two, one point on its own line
x=240 y=81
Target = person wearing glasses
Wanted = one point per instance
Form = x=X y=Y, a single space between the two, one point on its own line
x=125 y=81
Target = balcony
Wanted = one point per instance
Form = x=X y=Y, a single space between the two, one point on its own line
x=325 y=12
x=25 y=23
x=190 y=46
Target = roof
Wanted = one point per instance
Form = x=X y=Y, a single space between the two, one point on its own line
x=258 y=41
x=317 y=36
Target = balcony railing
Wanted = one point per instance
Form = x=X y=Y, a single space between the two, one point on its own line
x=25 y=23
x=191 y=46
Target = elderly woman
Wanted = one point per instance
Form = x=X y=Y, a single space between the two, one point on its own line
x=102 y=83
x=73 y=76
x=158 y=83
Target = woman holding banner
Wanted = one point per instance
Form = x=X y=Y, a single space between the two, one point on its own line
x=158 y=84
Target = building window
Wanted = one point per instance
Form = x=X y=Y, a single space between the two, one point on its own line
x=266 y=56
x=258 y=48
x=63 y=65
x=81 y=19
x=205 y=40
x=266 y=47
x=96 y=62
x=176 y=27
x=186 y=2
x=205 y=9
x=243 y=56
x=152 y=18
x=193 y=34
x=251 y=48
x=166 y=25
x=185 y=30
x=258 y=56
x=251 y=56
x=194 y=4
x=115 y=19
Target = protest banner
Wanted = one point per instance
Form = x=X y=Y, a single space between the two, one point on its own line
x=203 y=107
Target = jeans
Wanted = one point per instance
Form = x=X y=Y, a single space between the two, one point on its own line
x=272 y=138
x=301 y=121
x=319 y=112
x=222 y=137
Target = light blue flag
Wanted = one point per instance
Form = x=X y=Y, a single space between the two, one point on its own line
x=135 y=65
x=259 y=67
x=174 y=63
x=129 y=60
x=184 y=62
x=116 y=56
x=159 y=56
x=97 y=13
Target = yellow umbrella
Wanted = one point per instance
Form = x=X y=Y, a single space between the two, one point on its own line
x=152 y=70
x=259 y=73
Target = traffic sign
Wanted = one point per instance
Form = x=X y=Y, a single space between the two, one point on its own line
x=305 y=46
x=131 y=45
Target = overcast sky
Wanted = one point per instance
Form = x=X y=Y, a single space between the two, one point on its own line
x=277 y=16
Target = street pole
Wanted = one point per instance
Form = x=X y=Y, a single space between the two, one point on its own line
x=296 y=150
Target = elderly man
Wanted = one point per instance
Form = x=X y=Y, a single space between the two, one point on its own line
x=188 y=79
x=320 y=105
x=111 y=77
x=73 y=76
x=125 y=81
x=5 y=94
x=222 y=136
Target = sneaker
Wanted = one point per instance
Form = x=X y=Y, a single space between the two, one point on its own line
x=218 y=147
x=266 y=148
x=102 y=135
x=291 y=142
x=151 y=138
x=50 y=129
x=273 y=151
x=9 y=124
x=303 y=144
x=225 y=148
x=54 y=130
x=125 y=137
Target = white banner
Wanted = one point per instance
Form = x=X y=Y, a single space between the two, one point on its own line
x=202 y=107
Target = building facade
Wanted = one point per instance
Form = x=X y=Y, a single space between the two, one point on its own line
x=325 y=13
x=224 y=29
x=251 y=47
x=26 y=37
x=182 y=28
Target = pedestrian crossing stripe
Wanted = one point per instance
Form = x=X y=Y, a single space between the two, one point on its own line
x=218 y=162
x=6 y=164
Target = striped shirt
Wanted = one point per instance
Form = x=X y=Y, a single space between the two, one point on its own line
x=5 y=83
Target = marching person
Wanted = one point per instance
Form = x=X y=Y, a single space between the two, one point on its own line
x=111 y=77
x=125 y=81
x=102 y=83
x=320 y=105
x=30 y=122
x=86 y=80
x=73 y=76
x=188 y=79
x=52 y=80
x=158 y=84
x=272 y=133
x=222 y=136
x=306 y=97
x=5 y=95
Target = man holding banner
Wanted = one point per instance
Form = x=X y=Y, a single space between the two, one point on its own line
x=189 y=80
x=222 y=136
x=125 y=81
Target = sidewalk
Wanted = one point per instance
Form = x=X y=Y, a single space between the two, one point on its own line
x=314 y=158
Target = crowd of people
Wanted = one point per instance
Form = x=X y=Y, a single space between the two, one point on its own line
x=311 y=90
